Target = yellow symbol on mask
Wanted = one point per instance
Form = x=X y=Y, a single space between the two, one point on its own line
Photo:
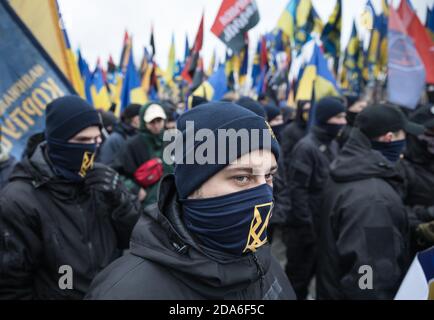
x=258 y=227
x=87 y=164
x=271 y=130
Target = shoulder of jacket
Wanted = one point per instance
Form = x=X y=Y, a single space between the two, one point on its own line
x=130 y=277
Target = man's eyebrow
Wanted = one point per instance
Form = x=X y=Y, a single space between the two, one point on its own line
x=238 y=169
x=249 y=170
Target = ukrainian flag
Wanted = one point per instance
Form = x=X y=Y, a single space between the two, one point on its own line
x=99 y=92
x=215 y=87
x=303 y=22
x=256 y=69
x=316 y=79
x=286 y=21
x=86 y=76
x=132 y=92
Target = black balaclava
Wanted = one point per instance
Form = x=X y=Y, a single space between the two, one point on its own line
x=65 y=117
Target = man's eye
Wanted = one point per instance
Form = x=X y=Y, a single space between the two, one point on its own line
x=242 y=179
x=269 y=177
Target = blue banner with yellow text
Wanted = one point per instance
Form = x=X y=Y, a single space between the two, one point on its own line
x=29 y=81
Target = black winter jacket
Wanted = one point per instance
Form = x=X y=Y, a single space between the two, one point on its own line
x=165 y=262
x=364 y=223
x=47 y=222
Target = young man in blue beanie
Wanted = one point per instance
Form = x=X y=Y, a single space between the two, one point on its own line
x=209 y=238
x=62 y=217
x=307 y=174
x=363 y=246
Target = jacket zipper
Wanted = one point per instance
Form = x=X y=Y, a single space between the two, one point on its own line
x=260 y=272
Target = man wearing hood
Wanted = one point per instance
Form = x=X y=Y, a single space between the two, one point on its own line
x=355 y=105
x=307 y=174
x=147 y=147
x=209 y=238
x=7 y=164
x=418 y=169
x=363 y=250
x=62 y=218
x=124 y=130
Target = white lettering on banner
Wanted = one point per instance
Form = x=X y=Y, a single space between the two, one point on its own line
x=233 y=11
x=239 y=23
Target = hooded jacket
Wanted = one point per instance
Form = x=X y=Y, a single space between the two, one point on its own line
x=47 y=222
x=166 y=262
x=363 y=223
x=115 y=142
x=6 y=168
x=417 y=168
x=139 y=149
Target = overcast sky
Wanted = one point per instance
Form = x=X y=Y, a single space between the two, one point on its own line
x=98 y=26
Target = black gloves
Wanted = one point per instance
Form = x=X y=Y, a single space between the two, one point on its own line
x=107 y=181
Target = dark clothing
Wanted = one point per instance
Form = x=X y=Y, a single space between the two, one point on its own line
x=290 y=136
x=47 y=222
x=417 y=169
x=114 y=143
x=344 y=136
x=363 y=223
x=165 y=262
x=307 y=174
x=6 y=168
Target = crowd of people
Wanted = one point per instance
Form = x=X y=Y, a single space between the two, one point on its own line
x=344 y=183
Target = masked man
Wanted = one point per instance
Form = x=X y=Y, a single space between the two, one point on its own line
x=209 y=238
x=62 y=219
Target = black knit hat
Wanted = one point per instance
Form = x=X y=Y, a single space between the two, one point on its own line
x=131 y=111
x=189 y=176
x=67 y=116
x=327 y=108
x=377 y=120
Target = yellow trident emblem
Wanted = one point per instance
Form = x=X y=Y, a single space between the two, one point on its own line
x=257 y=227
x=88 y=160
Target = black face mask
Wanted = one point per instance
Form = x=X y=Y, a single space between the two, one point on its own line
x=392 y=150
x=71 y=160
x=351 y=118
x=332 y=130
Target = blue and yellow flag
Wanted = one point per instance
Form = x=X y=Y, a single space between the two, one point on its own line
x=286 y=21
x=316 y=79
x=304 y=22
x=171 y=64
x=100 y=95
x=352 y=78
x=256 y=68
x=331 y=35
x=132 y=91
x=30 y=80
x=215 y=87
x=86 y=76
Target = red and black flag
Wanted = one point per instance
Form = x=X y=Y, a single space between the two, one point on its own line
x=233 y=20
x=192 y=61
x=125 y=52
